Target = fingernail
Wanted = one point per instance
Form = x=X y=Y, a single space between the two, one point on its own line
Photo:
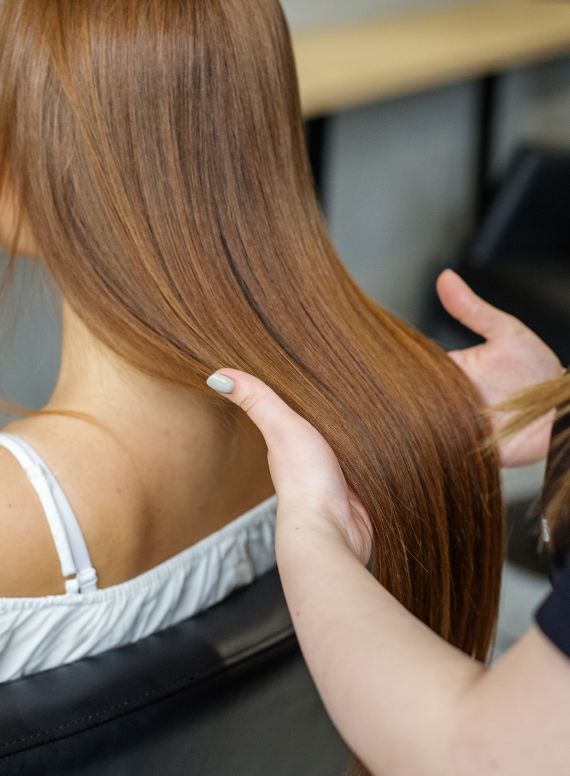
x=220 y=383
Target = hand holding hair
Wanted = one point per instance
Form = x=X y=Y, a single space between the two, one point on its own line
x=307 y=477
x=512 y=358
x=405 y=700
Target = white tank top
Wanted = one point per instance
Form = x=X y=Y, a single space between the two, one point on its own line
x=44 y=632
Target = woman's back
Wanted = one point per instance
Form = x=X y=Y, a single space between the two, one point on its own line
x=156 y=471
x=161 y=544
x=128 y=528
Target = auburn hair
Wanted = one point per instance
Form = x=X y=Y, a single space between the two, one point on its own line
x=156 y=149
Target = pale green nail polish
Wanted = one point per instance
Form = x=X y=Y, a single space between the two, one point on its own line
x=220 y=383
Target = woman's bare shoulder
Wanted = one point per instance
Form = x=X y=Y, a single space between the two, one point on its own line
x=28 y=561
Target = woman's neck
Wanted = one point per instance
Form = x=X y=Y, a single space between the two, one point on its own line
x=94 y=380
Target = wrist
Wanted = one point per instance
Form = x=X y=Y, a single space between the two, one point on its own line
x=301 y=532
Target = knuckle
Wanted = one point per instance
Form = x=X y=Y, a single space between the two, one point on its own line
x=250 y=403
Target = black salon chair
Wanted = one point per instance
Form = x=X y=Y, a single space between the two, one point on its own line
x=223 y=694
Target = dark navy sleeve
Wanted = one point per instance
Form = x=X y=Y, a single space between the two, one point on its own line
x=553 y=616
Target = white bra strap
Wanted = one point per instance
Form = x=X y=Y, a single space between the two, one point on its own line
x=73 y=554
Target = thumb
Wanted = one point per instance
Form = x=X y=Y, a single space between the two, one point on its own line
x=301 y=461
x=465 y=306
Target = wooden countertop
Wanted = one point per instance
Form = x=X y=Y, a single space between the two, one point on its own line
x=363 y=62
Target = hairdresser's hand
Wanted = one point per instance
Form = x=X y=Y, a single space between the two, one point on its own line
x=512 y=358
x=312 y=493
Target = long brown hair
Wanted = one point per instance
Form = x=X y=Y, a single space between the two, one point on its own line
x=158 y=150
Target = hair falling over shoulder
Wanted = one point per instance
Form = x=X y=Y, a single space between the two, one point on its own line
x=158 y=150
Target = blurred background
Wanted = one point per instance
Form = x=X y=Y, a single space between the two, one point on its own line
x=439 y=131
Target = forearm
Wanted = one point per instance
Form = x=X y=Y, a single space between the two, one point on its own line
x=385 y=678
